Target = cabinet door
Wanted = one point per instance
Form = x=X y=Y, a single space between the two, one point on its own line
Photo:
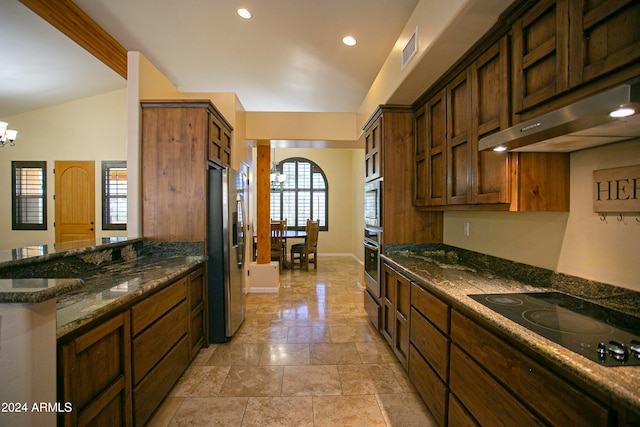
x=458 y=139
x=490 y=113
x=387 y=303
x=372 y=151
x=436 y=122
x=401 y=327
x=421 y=159
x=540 y=53
x=197 y=290
x=96 y=375
x=605 y=35
x=219 y=142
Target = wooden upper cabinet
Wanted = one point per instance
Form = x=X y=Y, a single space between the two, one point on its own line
x=605 y=35
x=372 y=151
x=458 y=150
x=431 y=128
x=420 y=157
x=180 y=140
x=490 y=113
x=219 y=141
x=540 y=53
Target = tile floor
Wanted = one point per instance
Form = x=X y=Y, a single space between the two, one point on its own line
x=306 y=356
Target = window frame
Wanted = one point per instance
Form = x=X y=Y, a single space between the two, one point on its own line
x=279 y=189
x=15 y=166
x=107 y=165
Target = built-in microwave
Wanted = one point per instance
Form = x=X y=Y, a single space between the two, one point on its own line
x=373 y=203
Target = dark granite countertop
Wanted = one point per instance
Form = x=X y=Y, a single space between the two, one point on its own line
x=118 y=285
x=35 y=290
x=453 y=274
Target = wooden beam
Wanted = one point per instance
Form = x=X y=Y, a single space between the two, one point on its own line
x=69 y=19
x=263 y=203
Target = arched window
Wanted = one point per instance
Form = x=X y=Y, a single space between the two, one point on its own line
x=303 y=195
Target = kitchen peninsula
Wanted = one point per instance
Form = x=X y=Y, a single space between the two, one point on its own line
x=470 y=363
x=121 y=317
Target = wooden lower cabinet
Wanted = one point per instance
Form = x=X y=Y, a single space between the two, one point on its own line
x=119 y=371
x=395 y=305
x=431 y=388
x=500 y=385
x=95 y=375
x=197 y=294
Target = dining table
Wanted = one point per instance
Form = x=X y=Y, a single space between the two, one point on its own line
x=288 y=234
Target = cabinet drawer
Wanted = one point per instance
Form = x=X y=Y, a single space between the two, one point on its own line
x=151 y=345
x=155 y=386
x=432 y=390
x=485 y=398
x=430 y=342
x=430 y=307
x=458 y=415
x=149 y=310
x=372 y=308
x=550 y=396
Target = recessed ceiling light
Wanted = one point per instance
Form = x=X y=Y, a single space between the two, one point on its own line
x=622 y=112
x=244 y=13
x=349 y=40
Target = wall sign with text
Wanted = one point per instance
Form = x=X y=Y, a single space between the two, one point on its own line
x=617 y=189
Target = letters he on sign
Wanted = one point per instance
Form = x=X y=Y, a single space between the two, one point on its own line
x=616 y=190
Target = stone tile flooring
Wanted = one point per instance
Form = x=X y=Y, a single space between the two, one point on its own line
x=306 y=356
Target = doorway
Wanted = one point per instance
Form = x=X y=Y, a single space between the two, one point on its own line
x=75 y=200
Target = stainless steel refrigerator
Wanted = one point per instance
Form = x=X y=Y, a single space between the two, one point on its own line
x=226 y=250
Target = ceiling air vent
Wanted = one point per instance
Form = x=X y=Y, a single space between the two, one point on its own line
x=410 y=49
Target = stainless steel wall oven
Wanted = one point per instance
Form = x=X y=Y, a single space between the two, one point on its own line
x=372 y=244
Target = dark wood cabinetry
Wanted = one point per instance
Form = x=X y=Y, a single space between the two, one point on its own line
x=160 y=350
x=430 y=153
x=95 y=375
x=540 y=53
x=395 y=307
x=559 y=45
x=604 y=36
x=513 y=390
x=197 y=297
x=450 y=172
x=390 y=132
x=185 y=138
x=429 y=353
x=372 y=162
x=118 y=371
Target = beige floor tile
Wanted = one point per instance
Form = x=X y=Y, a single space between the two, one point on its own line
x=375 y=351
x=210 y=411
x=202 y=381
x=236 y=353
x=354 y=411
x=285 y=354
x=165 y=413
x=279 y=412
x=308 y=335
x=405 y=409
x=305 y=356
x=311 y=380
x=253 y=381
x=334 y=354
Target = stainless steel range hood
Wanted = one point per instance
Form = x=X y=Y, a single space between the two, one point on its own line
x=584 y=124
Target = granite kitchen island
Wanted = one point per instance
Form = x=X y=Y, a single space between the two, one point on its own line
x=53 y=296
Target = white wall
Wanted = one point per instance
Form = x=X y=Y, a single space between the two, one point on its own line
x=577 y=243
x=87 y=129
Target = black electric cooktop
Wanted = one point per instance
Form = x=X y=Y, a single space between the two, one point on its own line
x=601 y=334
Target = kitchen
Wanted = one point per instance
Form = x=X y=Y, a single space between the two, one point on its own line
x=576 y=243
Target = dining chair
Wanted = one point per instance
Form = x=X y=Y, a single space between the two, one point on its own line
x=308 y=248
x=277 y=242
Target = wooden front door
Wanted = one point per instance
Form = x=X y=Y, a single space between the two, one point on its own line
x=75 y=200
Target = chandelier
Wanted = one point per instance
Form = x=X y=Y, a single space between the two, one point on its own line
x=275 y=176
x=7 y=136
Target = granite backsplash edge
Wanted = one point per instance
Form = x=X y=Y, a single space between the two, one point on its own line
x=625 y=300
